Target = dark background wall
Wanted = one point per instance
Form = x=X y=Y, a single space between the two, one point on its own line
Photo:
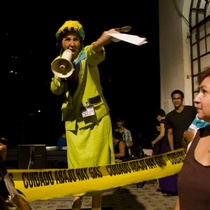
x=130 y=75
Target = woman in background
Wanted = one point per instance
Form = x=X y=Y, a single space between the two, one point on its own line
x=167 y=185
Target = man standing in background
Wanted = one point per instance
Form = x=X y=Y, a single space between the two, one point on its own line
x=179 y=119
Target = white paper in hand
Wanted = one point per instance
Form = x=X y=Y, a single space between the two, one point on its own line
x=133 y=39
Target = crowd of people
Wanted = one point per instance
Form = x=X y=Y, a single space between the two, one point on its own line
x=187 y=127
x=91 y=140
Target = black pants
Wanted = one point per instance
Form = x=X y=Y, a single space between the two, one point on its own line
x=3 y=190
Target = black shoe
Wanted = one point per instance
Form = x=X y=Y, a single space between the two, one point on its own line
x=159 y=190
x=170 y=193
x=173 y=193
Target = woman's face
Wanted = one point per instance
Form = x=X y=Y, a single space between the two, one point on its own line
x=202 y=100
x=72 y=42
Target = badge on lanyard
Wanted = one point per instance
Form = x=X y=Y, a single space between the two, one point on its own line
x=87 y=111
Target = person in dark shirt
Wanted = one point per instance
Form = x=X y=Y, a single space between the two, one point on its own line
x=179 y=119
x=167 y=185
x=161 y=117
x=177 y=122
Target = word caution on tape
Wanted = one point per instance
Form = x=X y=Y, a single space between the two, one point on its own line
x=44 y=184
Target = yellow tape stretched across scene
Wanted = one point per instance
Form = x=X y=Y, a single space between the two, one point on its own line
x=44 y=184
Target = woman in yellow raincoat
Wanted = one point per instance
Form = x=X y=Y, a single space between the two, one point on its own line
x=84 y=109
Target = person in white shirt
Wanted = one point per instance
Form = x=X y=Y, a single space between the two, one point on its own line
x=126 y=134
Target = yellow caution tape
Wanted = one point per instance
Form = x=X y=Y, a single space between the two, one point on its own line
x=44 y=184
